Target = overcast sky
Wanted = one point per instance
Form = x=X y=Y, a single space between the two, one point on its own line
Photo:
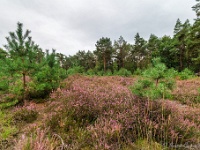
x=72 y=25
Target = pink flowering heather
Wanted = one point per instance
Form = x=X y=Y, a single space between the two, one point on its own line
x=105 y=109
x=187 y=91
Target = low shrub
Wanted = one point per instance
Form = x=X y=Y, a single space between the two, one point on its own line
x=91 y=72
x=187 y=91
x=8 y=130
x=146 y=145
x=75 y=70
x=39 y=140
x=27 y=115
x=186 y=74
x=124 y=72
x=102 y=113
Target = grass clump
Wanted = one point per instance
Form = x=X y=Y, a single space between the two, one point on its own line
x=7 y=130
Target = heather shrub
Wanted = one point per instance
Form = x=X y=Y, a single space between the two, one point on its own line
x=71 y=129
x=159 y=119
x=102 y=113
x=187 y=91
x=93 y=101
x=183 y=122
x=39 y=140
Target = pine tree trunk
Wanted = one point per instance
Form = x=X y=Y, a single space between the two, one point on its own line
x=157 y=82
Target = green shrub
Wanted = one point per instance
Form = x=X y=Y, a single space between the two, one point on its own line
x=4 y=84
x=44 y=81
x=90 y=72
x=157 y=82
x=124 y=72
x=7 y=128
x=186 y=74
x=108 y=73
x=100 y=73
x=75 y=70
x=146 y=145
x=5 y=105
x=138 y=71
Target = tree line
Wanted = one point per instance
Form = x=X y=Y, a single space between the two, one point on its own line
x=180 y=51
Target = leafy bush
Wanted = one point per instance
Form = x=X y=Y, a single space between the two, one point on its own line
x=100 y=73
x=138 y=72
x=108 y=73
x=124 y=72
x=44 y=81
x=75 y=70
x=91 y=72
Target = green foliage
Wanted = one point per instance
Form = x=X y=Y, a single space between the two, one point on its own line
x=104 y=52
x=157 y=82
x=6 y=105
x=108 y=73
x=90 y=72
x=21 y=50
x=75 y=70
x=16 y=87
x=4 y=83
x=100 y=73
x=146 y=145
x=138 y=71
x=123 y=72
x=7 y=129
x=121 y=48
x=186 y=74
x=157 y=71
x=46 y=80
x=140 y=86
